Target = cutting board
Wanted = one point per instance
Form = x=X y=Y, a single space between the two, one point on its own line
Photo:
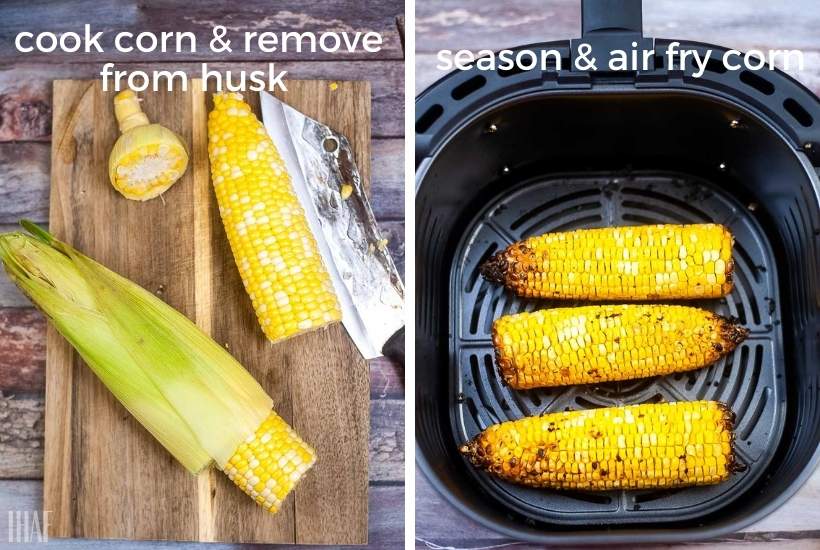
x=105 y=476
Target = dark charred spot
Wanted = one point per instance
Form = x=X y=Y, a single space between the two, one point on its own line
x=618 y=458
x=718 y=347
x=541 y=452
x=551 y=427
x=513 y=461
x=604 y=473
x=595 y=434
x=732 y=332
x=595 y=465
x=495 y=268
x=617 y=339
x=613 y=315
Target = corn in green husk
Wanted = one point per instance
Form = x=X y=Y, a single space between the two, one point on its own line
x=183 y=387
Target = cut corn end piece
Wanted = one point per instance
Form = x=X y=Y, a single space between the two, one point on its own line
x=276 y=253
x=270 y=463
x=147 y=159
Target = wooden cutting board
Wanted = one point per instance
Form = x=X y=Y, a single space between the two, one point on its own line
x=105 y=476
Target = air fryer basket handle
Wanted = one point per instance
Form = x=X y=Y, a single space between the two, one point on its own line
x=604 y=16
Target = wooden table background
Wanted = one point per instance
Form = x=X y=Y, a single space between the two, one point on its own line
x=741 y=24
x=25 y=135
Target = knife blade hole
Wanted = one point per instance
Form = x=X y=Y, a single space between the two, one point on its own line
x=330 y=144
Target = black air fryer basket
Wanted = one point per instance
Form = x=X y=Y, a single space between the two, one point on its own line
x=503 y=156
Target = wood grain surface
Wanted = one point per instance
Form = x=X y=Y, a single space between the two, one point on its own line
x=199 y=18
x=105 y=477
x=25 y=88
x=385 y=530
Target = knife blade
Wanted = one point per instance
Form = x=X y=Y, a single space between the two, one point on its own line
x=367 y=283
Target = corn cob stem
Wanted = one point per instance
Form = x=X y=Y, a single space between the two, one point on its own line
x=272 y=244
x=582 y=345
x=621 y=263
x=634 y=447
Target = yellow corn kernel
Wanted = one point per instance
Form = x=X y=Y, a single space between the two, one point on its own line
x=619 y=263
x=269 y=464
x=274 y=249
x=582 y=345
x=638 y=452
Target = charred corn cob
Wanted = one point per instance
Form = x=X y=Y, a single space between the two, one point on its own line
x=635 y=447
x=183 y=387
x=272 y=244
x=619 y=263
x=581 y=345
x=147 y=158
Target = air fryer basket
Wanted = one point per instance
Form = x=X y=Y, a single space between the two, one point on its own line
x=505 y=156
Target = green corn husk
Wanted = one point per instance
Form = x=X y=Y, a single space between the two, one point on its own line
x=183 y=387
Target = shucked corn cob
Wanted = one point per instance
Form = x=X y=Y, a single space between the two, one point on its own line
x=581 y=345
x=183 y=387
x=272 y=244
x=619 y=263
x=635 y=447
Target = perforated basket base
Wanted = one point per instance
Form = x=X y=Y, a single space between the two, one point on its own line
x=749 y=380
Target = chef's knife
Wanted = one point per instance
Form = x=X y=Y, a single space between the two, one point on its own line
x=322 y=166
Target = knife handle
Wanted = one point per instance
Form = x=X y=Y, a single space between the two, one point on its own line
x=394 y=347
